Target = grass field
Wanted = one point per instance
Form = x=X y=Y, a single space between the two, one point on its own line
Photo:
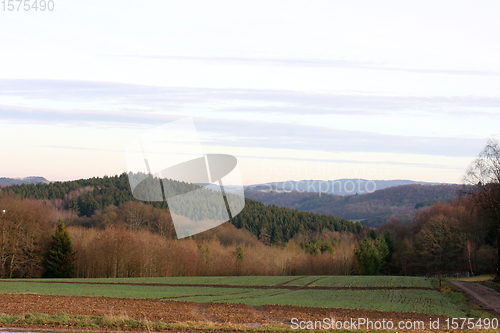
x=398 y=300
x=326 y=281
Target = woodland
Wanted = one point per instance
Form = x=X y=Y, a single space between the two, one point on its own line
x=95 y=228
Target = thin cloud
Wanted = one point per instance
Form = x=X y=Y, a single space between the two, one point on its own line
x=78 y=117
x=330 y=160
x=81 y=148
x=148 y=106
x=239 y=133
x=314 y=63
x=146 y=98
x=300 y=137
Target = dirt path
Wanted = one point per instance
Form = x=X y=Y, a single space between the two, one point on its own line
x=486 y=297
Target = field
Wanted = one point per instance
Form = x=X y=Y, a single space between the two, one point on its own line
x=326 y=281
x=258 y=303
x=398 y=294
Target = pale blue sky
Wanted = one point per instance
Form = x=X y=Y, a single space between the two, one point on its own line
x=294 y=89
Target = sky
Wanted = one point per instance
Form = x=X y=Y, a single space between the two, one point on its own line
x=294 y=89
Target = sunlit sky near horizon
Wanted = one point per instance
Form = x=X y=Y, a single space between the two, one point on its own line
x=294 y=89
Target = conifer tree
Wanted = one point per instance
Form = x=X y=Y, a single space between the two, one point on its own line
x=59 y=262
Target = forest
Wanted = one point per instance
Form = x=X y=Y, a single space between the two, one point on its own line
x=95 y=228
x=103 y=219
x=107 y=201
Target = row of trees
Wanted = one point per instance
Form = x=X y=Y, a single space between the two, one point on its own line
x=31 y=248
x=137 y=221
x=463 y=235
x=120 y=252
x=445 y=237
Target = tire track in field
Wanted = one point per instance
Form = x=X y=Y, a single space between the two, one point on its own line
x=289 y=287
x=287 y=282
x=308 y=285
x=256 y=296
x=208 y=295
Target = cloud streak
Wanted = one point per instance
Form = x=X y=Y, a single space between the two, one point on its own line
x=239 y=133
x=140 y=97
x=290 y=136
x=313 y=63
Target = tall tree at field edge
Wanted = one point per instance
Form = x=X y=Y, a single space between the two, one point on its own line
x=59 y=262
x=484 y=175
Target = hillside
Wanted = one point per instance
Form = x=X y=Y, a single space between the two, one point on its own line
x=337 y=186
x=373 y=208
x=17 y=181
x=94 y=200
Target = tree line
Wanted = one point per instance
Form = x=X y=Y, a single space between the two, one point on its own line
x=32 y=245
x=462 y=235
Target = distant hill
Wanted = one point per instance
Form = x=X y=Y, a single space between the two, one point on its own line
x=373 y=209
x=338 y=186
x=18 y=181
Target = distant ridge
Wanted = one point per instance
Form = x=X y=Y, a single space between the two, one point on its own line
x=372 y=209
x=18 y=181
x=337 y=186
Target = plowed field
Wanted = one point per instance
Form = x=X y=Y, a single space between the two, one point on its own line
x=173 y=311
x=250 y=301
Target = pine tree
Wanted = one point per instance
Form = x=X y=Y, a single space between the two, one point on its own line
x=59 y=262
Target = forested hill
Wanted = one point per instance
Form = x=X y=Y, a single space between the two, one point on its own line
x=90 y=199
x=337 y=186
x=28 y=180
x=374 y=208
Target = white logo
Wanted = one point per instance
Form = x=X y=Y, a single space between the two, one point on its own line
x=202 y=190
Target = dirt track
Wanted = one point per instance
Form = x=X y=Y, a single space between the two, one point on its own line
x=484 y=296
x=169 y=311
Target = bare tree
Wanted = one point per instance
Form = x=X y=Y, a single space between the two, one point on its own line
x=484 y=176
x=24 y=237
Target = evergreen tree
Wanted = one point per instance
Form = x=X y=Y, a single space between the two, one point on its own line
x=372 y=255
x=87 y=205
x=59 y=262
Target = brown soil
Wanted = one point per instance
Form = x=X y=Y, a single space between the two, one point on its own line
x=172 y=311
x=484 y=296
